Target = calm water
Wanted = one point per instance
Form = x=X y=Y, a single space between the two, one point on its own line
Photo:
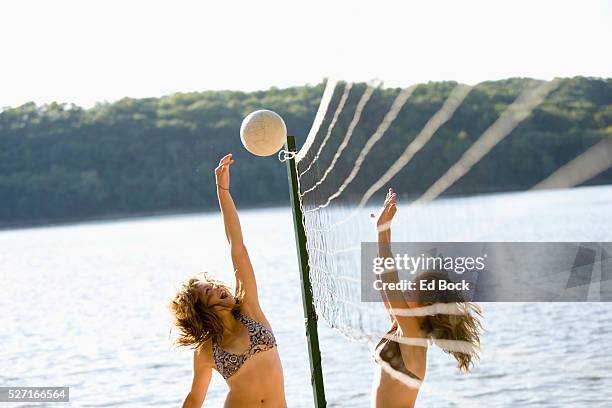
x=85 y=306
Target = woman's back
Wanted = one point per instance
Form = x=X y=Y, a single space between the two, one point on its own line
x=399 y=371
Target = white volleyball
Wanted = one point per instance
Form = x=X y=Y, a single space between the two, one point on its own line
x=263 y=132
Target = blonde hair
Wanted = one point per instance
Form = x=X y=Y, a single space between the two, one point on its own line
x=197 y=321
x=458 y=334
x=462 y=331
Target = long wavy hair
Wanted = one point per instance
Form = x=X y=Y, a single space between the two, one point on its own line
x=197 y=322
x=457 y=328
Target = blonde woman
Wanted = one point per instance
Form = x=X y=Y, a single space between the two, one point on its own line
x=401 y=355
x=228 y=330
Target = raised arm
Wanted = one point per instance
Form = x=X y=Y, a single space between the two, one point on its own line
x=240 y=257
x=383 y=227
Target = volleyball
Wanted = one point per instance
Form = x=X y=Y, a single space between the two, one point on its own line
x=263 y=132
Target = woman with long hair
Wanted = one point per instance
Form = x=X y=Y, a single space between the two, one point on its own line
x=416 y=320
x=227 y=329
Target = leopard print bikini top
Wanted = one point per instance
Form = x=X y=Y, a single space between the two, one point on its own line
x=261 y=339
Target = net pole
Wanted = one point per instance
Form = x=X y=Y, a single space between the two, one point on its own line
x=310 y=315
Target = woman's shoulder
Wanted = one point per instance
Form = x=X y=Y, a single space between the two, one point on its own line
x=203 y=355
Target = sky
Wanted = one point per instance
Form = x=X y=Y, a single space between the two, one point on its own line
x=83 y=52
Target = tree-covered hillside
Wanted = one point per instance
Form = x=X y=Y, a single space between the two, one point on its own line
x=60 y=161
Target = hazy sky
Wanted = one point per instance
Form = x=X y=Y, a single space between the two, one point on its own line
x=87 y=51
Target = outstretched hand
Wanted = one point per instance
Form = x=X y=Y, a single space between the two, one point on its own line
x=387 y=212
x=222 y=172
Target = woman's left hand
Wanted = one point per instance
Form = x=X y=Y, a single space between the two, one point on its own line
x=387 y=212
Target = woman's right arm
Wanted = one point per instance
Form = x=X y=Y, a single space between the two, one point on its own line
x=202 y=373
x=245 y=277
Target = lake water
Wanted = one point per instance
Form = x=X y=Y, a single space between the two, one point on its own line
x=84 y=306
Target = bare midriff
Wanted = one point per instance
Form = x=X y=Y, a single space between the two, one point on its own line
x=258 y=383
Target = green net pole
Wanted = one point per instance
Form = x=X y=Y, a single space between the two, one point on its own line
x=310 y=315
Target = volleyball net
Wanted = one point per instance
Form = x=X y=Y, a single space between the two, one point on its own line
x=442 y=147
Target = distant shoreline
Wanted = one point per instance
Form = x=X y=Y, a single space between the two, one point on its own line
x=193 y=211
x=53 y=222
